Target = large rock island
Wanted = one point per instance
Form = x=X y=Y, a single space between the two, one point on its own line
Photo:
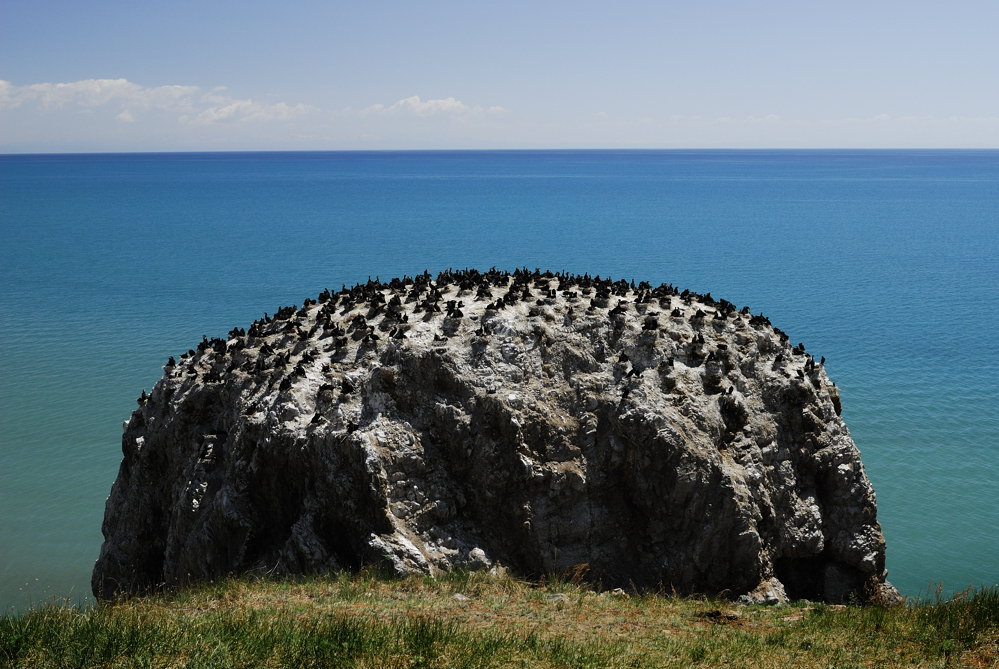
x=541 y=422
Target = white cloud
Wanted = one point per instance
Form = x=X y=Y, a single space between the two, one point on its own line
x=7 y=100
x=100 y=92
x=414 y=105
x=126 y=100
x=248 y=110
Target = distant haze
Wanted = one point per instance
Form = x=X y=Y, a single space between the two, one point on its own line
x=255 y=75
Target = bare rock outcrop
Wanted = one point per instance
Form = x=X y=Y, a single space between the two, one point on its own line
x=536 y=421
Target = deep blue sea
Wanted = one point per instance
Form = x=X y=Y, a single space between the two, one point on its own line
x=884 y=262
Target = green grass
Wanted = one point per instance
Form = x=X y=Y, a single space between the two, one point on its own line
x=368 y=620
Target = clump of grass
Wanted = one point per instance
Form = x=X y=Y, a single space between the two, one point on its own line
x=478 y=620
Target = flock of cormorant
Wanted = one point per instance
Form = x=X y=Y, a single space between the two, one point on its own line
x=375 y=311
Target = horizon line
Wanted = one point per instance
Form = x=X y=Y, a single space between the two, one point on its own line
x=491 y=150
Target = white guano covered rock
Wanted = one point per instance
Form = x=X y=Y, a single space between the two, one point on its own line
x=531 y=421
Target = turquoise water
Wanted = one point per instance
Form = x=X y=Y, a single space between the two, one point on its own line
x=884 y=262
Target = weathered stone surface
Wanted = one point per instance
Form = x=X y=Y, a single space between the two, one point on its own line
x=538 y=422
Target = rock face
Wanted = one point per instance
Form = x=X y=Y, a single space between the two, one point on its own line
x=535 y=421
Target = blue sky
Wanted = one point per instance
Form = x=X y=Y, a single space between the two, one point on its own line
x=254 y=74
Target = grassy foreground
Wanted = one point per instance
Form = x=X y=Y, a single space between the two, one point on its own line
x=477 y=620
